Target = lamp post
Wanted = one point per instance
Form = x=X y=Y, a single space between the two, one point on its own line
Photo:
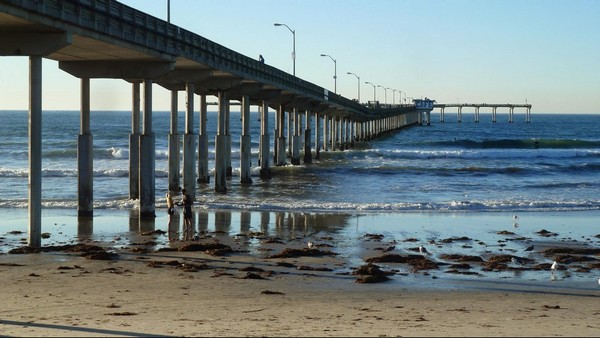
x=358 y=78
x=384 y=94
x=394 y=96
x=334 y=72
x=294 y=44
x=374 y=92
x=169 y=11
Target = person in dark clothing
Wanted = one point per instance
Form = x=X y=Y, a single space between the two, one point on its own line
x=187 y=202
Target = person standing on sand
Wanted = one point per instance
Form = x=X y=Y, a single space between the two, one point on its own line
x=170 y=204
x=187 y=202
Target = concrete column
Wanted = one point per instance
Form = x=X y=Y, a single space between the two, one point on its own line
x=134 y=144
x=494 y=114
x=442 y=114
x=428 y=117
x=189 y=144
x=35 y=151
x=476 y=114
x=147 y=158
x=221 y=145
x=307 y=138
x=174 y=141
x=203 y=174
x=334 y=133
x=290 y=129
x=511 y=115
x=265 y=141
x=296 y=137
x=280 y=149
x=459 y=114
x=245 y=146
x=317 y=136
x=85 y=158
x=325 y=135
x=228 y=166
x=528 y=116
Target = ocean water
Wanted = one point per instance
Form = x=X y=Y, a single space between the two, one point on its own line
x=550 y=164
x=425 y=183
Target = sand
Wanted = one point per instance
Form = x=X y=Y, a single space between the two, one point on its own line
x=147 y=293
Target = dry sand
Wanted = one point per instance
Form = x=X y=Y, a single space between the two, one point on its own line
x=151 y=293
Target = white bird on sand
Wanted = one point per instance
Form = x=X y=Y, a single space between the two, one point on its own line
x=310 y=245
x=423 y=251
x=554 y=266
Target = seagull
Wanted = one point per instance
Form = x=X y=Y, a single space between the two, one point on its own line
x=515 y=217
x=423 y=251
x=529 y=248
x=516 y=261
x=515 y=225
x=554 y=266
x=310 y=245
x=599 y=280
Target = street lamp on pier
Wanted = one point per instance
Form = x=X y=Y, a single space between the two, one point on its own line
x=374 y=91
x=384 y=93
x=294 y=44
x=358 y=78
x=334 y=72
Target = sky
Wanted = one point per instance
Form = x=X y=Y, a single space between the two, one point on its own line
x=546 y=53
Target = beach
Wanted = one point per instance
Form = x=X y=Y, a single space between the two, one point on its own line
x=240 y=282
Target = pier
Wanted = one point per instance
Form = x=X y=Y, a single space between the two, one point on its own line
x=104 y=39
x=494 y=107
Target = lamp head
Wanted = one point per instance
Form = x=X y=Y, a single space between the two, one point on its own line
x=277 y=24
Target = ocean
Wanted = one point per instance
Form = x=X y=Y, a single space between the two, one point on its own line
x=501 y=185
x=550 y=164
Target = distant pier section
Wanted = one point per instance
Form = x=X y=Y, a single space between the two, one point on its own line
x=510 y=106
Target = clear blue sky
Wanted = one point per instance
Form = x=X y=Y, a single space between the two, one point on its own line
x=508 y=51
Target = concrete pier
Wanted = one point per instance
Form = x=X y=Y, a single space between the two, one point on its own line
x=134 y=144
x=245 y=139
x=85 y=156
x=35 y=151
x=174 y=176
x=264 y=151
x=221 y=145
x=147 y=158
x=189 y=145
x=203 y=171
x=162 y=53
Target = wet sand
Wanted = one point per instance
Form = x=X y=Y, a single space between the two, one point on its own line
x=257 y=284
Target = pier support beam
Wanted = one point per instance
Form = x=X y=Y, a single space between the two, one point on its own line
x=280 y=152
x=494 y=114
x=307 y=139
x=203 y=174
x=189 y=145
x=221 y=145
x=35 y=151
x=296 y=137
x=317 y=135
x=147 y=158
x=174 y=141
x=134 y=144
x=245 y=146
x=265 y=141
x=85 y=158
